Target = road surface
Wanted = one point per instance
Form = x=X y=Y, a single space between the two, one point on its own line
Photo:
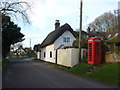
x=30 y=74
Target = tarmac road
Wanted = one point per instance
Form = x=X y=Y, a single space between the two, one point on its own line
x=31 y=74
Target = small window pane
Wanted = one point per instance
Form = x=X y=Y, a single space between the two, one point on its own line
x=68 y=39
x=64 y=39
x=44 y=54
x=50 y=54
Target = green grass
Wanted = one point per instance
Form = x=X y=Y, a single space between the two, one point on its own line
x=105 y=72
x=80 y=69
x=6 y=61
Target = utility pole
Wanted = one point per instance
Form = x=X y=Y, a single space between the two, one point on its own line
x=80 y=30
x=119 y=21
x=0 y=36
x=0 y=50
x=30 y=44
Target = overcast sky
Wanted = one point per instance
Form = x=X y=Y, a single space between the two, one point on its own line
x=44 y=13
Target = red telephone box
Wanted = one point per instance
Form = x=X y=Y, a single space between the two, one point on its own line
x=94 y=50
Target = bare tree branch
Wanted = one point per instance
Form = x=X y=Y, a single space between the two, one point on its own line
x=106 y=22
x=20 y=8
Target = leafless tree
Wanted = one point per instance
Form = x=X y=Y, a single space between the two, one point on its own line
x=107 y=22
x=16 y=8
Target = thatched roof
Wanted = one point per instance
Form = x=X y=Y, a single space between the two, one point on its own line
x=52 y=36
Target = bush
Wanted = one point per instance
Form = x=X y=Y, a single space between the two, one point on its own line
x=112 y=40
x=118 y=52
x=84 y=60
x=112 y=43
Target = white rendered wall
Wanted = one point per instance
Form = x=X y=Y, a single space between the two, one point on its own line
x=74 y=56
x=54 y=46
x=60 y=42
x=47 y=51
x=64 y=57
x=38 y=55
x=69 y=57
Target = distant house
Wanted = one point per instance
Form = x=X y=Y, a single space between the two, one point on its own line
x=114 y=38
x=112 y=34
x=63 y=36
x=106 y=36
x=27 y=49
x=20 y=52
x=94 y=33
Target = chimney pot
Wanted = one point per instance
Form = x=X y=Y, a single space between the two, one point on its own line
x=57 y=24
x=88 y=30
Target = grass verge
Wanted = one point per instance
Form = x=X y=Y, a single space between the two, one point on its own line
x=106 y=72
x=5 y=62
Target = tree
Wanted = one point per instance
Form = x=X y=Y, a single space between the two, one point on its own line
x=84 y=39
x=16 y=8
x=10 y=34
x=36 y=47
x=112 y=43
x=106 y=22
x=83 y=43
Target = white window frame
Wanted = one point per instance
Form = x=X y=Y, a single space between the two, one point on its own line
x=66 y=39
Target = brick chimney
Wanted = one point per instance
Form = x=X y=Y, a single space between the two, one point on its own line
x=57 y=24
x=88 y=30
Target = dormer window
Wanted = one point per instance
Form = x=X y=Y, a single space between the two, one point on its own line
x=66 y=39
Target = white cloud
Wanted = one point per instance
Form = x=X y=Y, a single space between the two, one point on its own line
x=43 y=10
x=43 y=15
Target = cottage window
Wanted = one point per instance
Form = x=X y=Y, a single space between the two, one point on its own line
x=44 y=54
x=66 y=39
x=50 y=54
